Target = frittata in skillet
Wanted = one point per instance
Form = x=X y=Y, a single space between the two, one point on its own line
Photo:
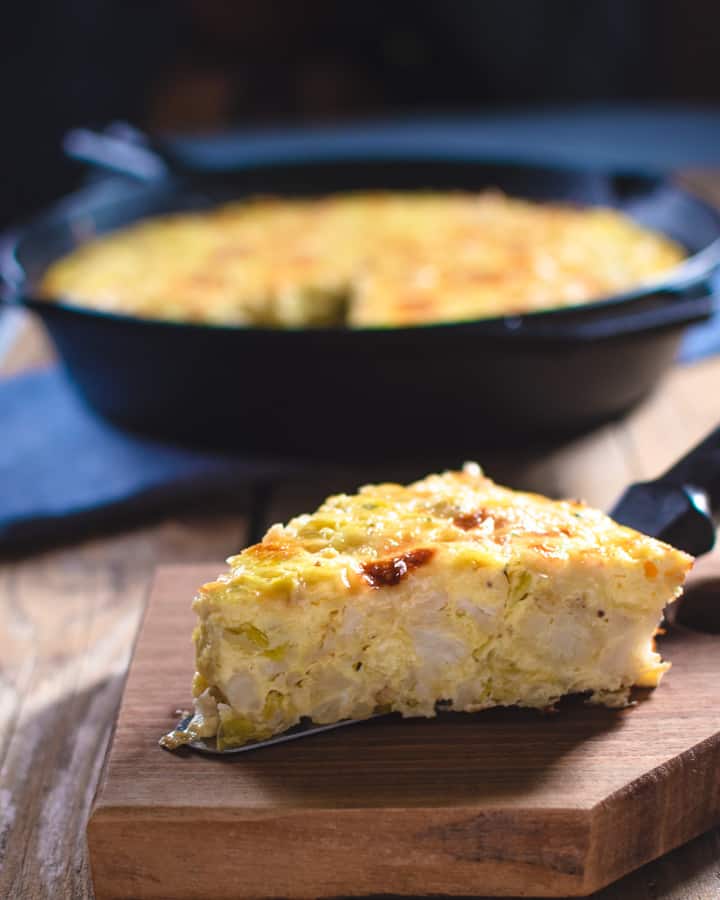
x=362 y=260
x=452 y=590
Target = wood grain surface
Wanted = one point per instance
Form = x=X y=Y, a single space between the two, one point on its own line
x=514 y=801
x=68 y=619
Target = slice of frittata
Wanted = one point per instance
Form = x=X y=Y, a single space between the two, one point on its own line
x=452 y=589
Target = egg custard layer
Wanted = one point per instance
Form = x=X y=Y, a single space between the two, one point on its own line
x=452 y=590
x=379 y=259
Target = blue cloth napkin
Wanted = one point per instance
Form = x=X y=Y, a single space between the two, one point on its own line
x=64 y=470
x=59 y=463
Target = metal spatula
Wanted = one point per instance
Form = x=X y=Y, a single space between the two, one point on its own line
x=302 y=729
x=679 y=507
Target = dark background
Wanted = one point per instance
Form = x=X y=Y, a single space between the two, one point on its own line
x=207 y=65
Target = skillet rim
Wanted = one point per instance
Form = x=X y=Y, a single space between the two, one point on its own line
x=693 y=272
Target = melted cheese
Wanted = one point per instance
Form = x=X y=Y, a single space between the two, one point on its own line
x=365 y=260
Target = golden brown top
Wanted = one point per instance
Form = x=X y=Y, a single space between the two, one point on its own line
x=365 y=260
x=383 y=534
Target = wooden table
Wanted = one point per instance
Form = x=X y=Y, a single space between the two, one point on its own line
x=68 y=617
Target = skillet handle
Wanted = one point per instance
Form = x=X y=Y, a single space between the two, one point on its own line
x=11 y=273
x=121 y=150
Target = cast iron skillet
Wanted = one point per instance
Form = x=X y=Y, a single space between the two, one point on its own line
x=368 y=392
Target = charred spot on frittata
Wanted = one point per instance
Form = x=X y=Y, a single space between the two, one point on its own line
x=389 y=572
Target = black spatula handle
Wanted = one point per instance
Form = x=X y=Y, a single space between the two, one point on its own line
x=700 y=469
x=683 y=505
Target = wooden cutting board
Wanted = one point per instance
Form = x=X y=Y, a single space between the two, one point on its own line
x=503 y=803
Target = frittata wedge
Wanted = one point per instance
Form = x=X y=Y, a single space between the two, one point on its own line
x=451 y=590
